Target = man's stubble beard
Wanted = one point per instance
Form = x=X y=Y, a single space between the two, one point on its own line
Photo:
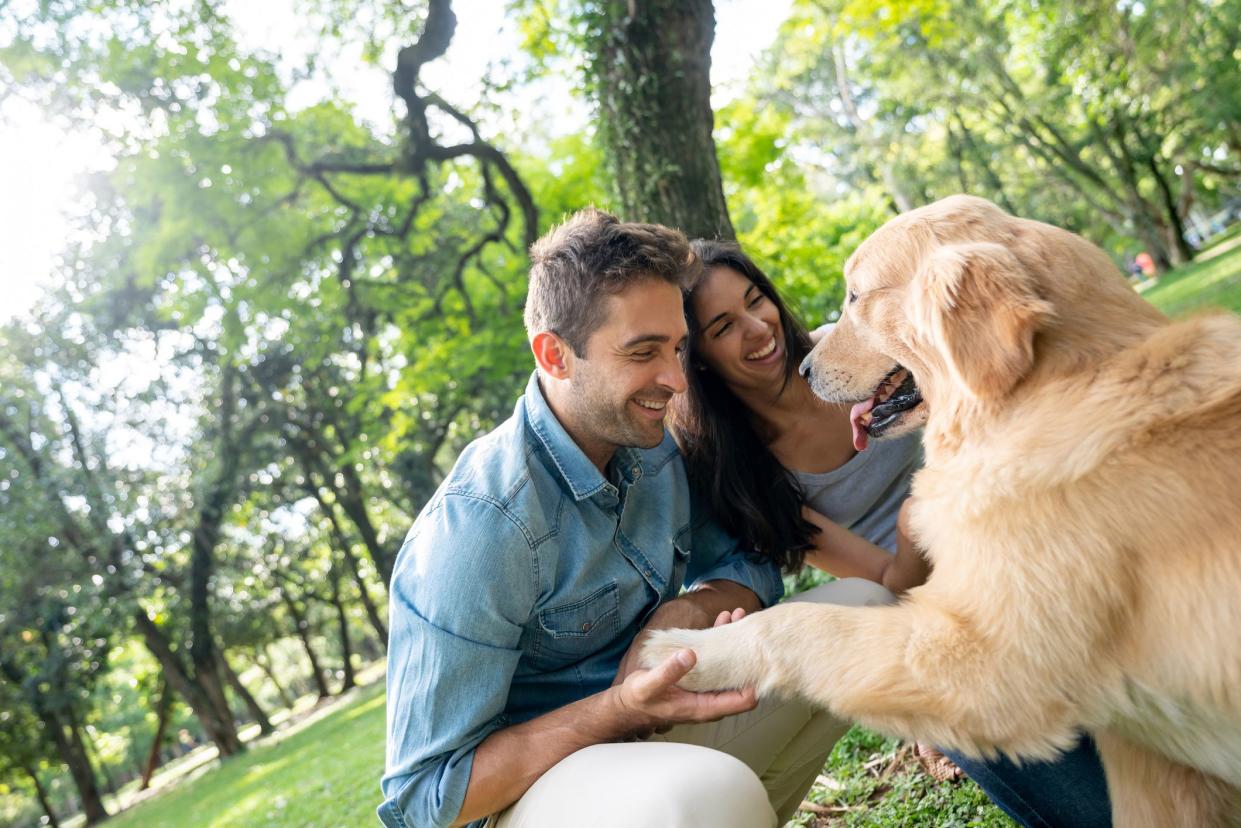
x=609 y=419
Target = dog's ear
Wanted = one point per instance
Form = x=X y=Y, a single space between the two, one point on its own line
x=977 y=305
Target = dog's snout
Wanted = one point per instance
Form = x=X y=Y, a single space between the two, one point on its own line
x=804 y=368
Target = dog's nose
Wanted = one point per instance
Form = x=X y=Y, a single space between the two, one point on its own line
x=804 y=368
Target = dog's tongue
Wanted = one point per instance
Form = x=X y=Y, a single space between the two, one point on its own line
x=860 y=437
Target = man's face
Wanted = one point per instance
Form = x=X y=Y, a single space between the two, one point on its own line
x=620 y=388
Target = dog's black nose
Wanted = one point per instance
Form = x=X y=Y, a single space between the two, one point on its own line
x=804 y=368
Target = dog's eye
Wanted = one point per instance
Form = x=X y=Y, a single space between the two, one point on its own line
x=852 y=297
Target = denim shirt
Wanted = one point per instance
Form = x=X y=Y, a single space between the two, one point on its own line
x=521 y=585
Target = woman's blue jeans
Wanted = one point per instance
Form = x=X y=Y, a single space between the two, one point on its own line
x=1070 y=792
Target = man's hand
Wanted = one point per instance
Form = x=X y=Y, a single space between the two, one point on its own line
x=649 y=700
x=683 y=613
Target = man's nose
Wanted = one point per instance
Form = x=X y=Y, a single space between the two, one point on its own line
x=673 y=377
x=805 y=367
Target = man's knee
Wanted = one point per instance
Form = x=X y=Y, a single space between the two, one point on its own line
x=634 y=785
x=704 y=787
x=849 y=592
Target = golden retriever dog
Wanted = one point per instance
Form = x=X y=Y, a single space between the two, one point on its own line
x=1080 y=503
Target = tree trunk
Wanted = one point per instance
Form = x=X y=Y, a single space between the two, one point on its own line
x=651 y=67
x=342 y=623
x=303 y=634
x=264 y=663
x=217 y=723
x=372 y=612
x=247 y=698
x=41 y=794
x=353 y=501
x=163 y=714
x=82 y=736
x=73 y=753
x=1179 y=247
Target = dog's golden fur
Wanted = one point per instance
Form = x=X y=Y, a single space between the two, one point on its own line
x=1081 y=504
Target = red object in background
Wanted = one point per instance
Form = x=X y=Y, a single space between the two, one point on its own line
x=1145 y=262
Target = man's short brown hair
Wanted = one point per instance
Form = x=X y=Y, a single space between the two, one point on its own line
x=592 y=255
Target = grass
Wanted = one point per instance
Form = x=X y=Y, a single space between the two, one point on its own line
x=873 y=780
x=1209 y=282
x=325 y=773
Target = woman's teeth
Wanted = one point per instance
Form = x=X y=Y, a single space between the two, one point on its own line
x=764 y=351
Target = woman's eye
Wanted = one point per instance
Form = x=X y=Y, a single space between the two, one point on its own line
x=721 y=329
x=757 y=300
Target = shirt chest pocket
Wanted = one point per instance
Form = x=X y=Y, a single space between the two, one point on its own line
x=571 y=632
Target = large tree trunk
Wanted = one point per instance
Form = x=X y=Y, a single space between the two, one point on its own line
x=247 y=698
x=41 y=794
x=217 y=722
x=651 y=72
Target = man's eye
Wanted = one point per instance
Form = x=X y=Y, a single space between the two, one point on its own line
x=643 y=355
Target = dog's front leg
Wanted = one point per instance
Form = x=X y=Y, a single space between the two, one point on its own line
x=910 y=669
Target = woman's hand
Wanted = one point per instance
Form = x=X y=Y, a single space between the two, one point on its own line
x=840 y=552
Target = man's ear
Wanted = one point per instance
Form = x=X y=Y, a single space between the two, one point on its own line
x=978 y=306
x=552 y=354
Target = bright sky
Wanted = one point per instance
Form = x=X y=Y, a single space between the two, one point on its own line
x=41 y=166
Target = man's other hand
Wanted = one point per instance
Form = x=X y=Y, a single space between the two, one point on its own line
x=649 y=700
x=674 y=616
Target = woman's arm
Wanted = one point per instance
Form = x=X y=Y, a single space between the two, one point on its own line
x=839 y=552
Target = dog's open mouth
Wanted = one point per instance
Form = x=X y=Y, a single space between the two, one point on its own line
x=897 y=393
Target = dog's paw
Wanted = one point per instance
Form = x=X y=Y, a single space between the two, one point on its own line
x=722 y=662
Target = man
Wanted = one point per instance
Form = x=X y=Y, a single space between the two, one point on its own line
x=526 y=584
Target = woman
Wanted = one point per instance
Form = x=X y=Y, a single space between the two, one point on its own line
x=782 y=474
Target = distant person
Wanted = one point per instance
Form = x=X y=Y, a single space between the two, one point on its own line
x=1147 y=264
x=559 y=539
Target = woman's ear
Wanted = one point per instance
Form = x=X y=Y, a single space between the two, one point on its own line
x=978 y=306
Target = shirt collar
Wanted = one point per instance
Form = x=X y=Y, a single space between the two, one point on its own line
x=572 y=464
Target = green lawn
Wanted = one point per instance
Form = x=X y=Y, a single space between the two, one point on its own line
x=1212 y=282
x=322 y=775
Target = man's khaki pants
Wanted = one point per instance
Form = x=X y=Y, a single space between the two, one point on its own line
x=747 y=771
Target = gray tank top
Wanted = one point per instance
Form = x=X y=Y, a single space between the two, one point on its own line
x=865 y=494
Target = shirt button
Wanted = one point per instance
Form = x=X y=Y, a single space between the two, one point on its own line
x=586 y=627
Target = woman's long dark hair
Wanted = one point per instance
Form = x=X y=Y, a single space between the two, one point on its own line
x=752 y=495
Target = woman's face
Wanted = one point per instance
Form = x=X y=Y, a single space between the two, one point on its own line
x=740 y=337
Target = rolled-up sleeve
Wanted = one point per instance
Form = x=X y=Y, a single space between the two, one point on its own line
x=717 y=556
x=463 y=587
